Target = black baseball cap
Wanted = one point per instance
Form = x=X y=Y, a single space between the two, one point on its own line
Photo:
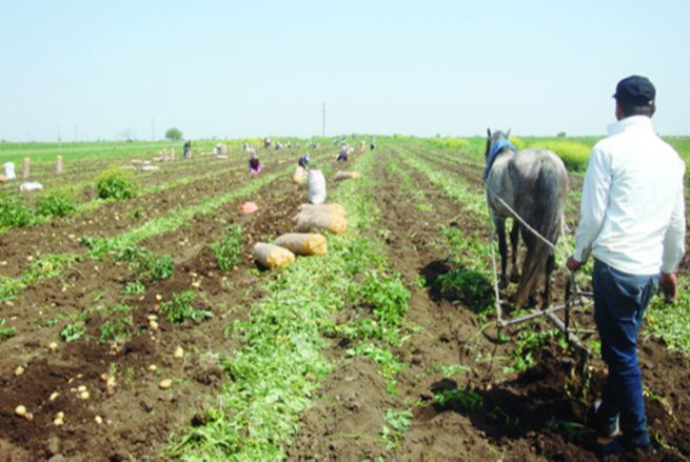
x=635 y=90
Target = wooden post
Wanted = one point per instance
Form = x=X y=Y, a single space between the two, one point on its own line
x=58 y=165
x=172 y=154
x=26 y=168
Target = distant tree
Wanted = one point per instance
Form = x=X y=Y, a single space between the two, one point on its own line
x=173 y=134
x=561 y=135
x=126 y=135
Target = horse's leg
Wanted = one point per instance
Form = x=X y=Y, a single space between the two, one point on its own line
x=503 y=249
x=550 y=265
x=514 y=240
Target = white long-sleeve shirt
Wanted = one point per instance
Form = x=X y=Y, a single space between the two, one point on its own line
x=633 y=210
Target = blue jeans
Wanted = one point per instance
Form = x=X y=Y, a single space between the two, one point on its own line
x=620 y=301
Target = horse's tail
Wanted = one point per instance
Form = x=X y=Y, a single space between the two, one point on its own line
x=547 y=220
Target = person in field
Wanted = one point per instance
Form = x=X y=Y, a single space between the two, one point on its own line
x=633 y=223
x=304 y=162
x=342 y=156
x=372 y=143
x=254 y=165
x=187 y=150
x=267 y=142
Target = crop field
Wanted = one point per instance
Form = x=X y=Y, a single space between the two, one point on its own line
x=136 y=325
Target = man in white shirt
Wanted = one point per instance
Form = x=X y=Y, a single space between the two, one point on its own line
x=633 y=223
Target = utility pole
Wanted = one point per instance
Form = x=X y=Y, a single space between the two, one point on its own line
x=76 y=133
x=323 y=124
x=153 y=129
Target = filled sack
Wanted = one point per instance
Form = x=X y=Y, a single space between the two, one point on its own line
x=303 y=244
x=272 y=256
x=332 y=208
x=317 y=187
x=309 y=221
x=342 y=175
x=298 y=176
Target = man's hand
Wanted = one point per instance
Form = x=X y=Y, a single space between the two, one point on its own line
x=668 y=282
x=573 y=265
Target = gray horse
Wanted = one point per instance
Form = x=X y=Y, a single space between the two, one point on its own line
x=534 y=184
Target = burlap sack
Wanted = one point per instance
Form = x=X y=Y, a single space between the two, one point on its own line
x=303 y=244
x=299 y=175
x=272 y=256
x=346 y=176
x=332 y=208
x=309 y=221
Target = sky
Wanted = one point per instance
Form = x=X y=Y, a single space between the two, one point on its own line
x=97 y=69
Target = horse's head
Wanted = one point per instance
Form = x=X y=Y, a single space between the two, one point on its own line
x=493 y=138
x=496 y=143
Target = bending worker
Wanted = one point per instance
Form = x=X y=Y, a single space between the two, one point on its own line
x=632 y=221
x=304 y=162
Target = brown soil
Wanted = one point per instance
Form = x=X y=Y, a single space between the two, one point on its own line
x=520 y=417
x=137 y=415
x=62 y=235
x=540 y=414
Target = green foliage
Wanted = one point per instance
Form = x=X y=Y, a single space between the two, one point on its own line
x=389 y=362
x=145 y=264
x=471 y=287
x=400 y=421
x=463 y=397
x=528 y=340
x=73 y=331
x=162 y=268
x=14 y=212
x=6 y=332
x=358 y=255
x=456 y=144
x=463 y=243
x=115 y=184
x=181 y=308
x=175 y=218
x=48 y=266
x=671 y=322
x=135 y=288
x=387 y=295
x=228 y=251
x=575 y=432
x=369 y=329
x=44 y=153
x=396 y=422
x=56 y=204
x=275 y=373
x=119 y=324
x=9 y=288
x=450 y=370
x=517 y=142
x=574 y=154
x=136 y=213
x=173 y=134
x=424 y=207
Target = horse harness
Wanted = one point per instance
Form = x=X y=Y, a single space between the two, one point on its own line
x=496 y=148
